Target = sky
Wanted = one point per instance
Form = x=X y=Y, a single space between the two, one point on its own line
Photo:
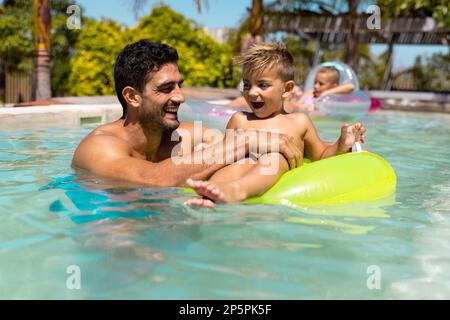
x=226 y=14
x=218 y=13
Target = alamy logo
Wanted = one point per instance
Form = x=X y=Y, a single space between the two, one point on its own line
x=73 y=281
x=233 y=150
x=374 y=21
x=74 y=20
x=374 y=280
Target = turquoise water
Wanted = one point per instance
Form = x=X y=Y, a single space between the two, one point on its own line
x=134 y=242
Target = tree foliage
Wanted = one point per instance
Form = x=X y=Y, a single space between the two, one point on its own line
x=83 y=60
x=303 y=53
x=92 y=66
x=62 y=47
x=433 y=74
x=203 y=61
x=16 y=36
x=438 y=9
x=17 y=47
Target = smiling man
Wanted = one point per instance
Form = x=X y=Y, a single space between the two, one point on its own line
x=142 y=146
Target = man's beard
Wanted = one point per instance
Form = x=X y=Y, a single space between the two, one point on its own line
x=170 y=125
x=153 y=120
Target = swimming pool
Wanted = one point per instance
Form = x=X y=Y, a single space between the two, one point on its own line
x=131 y=242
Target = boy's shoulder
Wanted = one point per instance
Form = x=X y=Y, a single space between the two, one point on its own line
x=301 y=120
x=242 y=116
x=241 y=113
x=299 y=117
x=238 y=119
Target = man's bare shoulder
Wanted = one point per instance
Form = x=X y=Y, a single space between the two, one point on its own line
x=101 y=143
x=109 y=132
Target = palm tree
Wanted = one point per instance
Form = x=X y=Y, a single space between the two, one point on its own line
x=42 y=74
x=351 y=43
x=255 y=34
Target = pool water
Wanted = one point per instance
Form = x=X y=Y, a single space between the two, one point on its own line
x=133 y=242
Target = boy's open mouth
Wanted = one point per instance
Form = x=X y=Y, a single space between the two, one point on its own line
x=257 y=105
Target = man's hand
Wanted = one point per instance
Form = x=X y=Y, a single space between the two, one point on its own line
x=266 y=142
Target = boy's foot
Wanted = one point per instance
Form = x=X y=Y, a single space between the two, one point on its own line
x=212 y=193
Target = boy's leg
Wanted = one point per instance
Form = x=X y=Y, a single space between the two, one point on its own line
x=255 y=180
x=223 y=176
x=233 y=171
x=263 y=175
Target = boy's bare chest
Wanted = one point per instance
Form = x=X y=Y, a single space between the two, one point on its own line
x=284 y=125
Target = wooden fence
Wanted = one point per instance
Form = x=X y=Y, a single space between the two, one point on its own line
x=18 y=87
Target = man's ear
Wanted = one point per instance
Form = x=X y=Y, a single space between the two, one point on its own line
x=132 y=97
x=288 y=88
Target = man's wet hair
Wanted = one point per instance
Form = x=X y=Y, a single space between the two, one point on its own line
x=264 y=56
x=332 y=71
x=137 y=62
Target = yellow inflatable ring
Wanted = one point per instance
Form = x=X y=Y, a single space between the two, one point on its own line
x=347 y=178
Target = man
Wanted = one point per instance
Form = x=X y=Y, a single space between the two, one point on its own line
x=143 y=145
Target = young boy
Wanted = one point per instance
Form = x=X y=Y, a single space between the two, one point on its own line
x=268 y=76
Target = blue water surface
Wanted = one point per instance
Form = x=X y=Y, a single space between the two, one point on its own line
x=135 y=242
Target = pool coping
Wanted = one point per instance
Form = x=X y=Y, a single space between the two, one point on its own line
x=76 y=111
x=62 y=115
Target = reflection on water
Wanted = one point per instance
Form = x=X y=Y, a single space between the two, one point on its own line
x=139 y=242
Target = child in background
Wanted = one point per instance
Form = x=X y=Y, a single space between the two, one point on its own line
x=326 y=82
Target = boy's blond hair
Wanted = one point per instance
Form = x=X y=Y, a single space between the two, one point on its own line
x=332 y=72
x=264 y=56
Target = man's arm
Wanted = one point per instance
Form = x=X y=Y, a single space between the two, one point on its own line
x=109 y=156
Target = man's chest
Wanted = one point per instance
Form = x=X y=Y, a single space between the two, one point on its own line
x=175 y=145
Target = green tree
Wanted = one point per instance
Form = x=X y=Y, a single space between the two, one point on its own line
x=17 y=47
x=42 y=33
x=433 y=74
x=92 y=66
x=438 y=9
x=63 y=41
x=303 y=53
x=371 y=68
x=203 y=61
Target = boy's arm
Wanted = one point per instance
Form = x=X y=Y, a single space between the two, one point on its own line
x=344 y=88
x=316 y=149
